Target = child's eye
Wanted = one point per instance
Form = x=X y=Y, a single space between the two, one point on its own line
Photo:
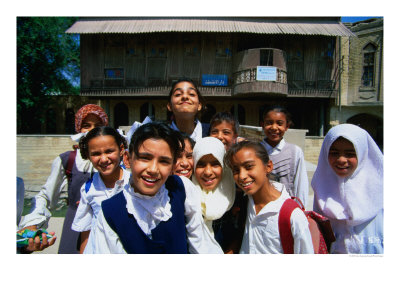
x=248 y=167
x=235 y=170
x=350 y=154
x=165 y=161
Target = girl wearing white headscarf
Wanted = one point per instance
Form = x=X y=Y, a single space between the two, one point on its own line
x=218 y=201
x=354 y=204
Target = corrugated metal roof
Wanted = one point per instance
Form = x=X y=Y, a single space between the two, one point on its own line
x=276 y=25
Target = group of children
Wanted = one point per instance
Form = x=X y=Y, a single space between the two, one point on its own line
x=188 y=187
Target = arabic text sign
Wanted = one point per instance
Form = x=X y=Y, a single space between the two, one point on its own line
x=214 y=80
x=266 y=73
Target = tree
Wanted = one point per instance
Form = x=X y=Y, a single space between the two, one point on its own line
x=47 y=64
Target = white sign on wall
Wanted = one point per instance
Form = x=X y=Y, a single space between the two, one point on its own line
x=266 y=73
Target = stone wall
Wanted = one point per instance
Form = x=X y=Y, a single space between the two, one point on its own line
x=35 y=155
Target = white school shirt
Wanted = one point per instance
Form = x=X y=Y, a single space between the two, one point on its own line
x=50 y=192
x=90 y=203
x=300 y=183
x=261 y=234
x=197 y=133
x=104 y=240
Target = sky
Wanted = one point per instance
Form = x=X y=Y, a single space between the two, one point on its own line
x=349 y=19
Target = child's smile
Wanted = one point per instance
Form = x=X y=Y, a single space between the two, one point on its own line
x=208 y=172
x=275 y=125
x=342 y=157
x=151 y=168
x=184 y=163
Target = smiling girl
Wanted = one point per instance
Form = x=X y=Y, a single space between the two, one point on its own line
x=184 y=163
x=185 y=103
x=214 y=181
x=348 y=189
x=69 y=167
x=155 y=212
x=250 y=165
x=104 y=147
x=288 y=159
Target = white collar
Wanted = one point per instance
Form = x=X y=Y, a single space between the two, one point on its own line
x=273 y=206
x=197 y=133
x=148 y=211
x=278 y=147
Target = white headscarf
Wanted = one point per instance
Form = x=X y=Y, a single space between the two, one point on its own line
x=358 y=198
x=220 y=200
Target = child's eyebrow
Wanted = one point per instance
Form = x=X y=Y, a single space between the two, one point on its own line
x=181 y=89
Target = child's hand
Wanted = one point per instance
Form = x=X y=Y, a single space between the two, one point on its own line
x=37 y=245
x=34 y=241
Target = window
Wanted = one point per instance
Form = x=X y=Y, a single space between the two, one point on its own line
x=266 y=57
x=368 y=65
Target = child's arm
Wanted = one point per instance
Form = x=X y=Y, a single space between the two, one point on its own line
x=301 y=178
x=84 y=240
x=301 y=233
x=46 y=198
x=199 y=237
x=84 y=213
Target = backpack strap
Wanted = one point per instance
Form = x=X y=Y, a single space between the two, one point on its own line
x=70 y=164
x=285 y=231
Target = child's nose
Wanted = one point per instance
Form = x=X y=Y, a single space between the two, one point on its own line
x=152 y=167
x=242 y=174
x=184 y=162
x=208 y=170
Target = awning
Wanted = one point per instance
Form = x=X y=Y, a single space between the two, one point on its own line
x=329 y=26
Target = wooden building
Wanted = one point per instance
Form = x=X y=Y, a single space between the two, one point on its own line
x=240 y=64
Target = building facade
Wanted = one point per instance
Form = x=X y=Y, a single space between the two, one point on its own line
x=360 y=97
x=239 y=64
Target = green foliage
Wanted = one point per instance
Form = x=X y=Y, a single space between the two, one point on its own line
x=47 y=64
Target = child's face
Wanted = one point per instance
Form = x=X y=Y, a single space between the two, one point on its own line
x=208 y=172
x=249 y=172
x=184 y=100
x=275 y=126
x=89 y=122
x=151 y=167
x=105 y=155
x=184 y=163
x=342 y=157
x=225 y=133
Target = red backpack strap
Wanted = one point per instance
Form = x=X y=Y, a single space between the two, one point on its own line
x=70 y=164
x=285 y=231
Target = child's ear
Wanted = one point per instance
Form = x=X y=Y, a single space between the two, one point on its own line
x=269 y=167
x=126 y=159
x=169 y=106
x=121 y=149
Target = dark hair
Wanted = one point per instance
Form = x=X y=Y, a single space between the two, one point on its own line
x=259 y=150
x=100 y=131
x=185 y=79
x=225 y=116
x=157 y=131
x=279 y=109
x=187 y=137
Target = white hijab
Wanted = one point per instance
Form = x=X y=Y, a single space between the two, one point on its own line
x=220 y=200
x=355 y=199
